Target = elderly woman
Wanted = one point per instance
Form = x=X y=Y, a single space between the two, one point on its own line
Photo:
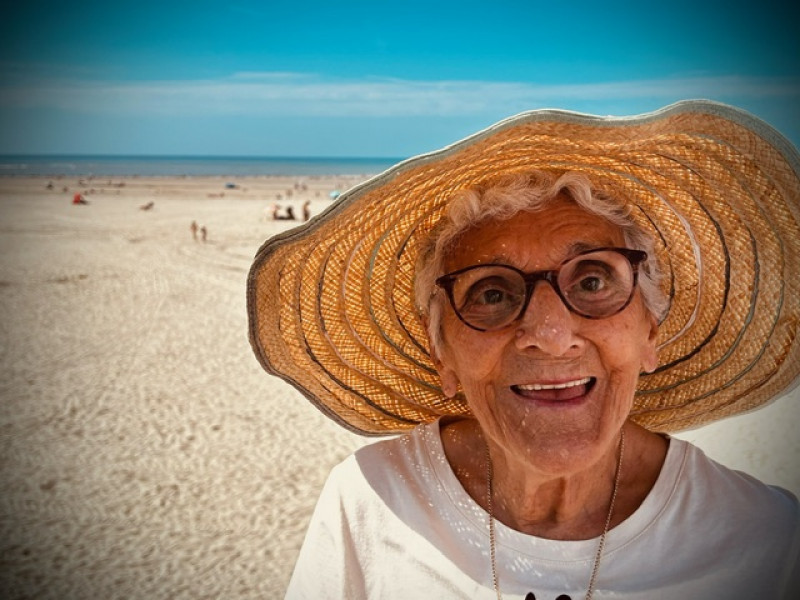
x=537 y=307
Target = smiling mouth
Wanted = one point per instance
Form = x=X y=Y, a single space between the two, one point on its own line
x=555 y=392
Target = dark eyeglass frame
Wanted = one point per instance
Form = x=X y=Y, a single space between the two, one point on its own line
x=634 y=257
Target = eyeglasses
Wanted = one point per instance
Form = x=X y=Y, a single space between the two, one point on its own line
x=594 y=284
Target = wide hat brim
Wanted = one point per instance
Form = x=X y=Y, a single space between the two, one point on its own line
x=331 y=303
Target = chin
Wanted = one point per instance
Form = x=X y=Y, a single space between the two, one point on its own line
x=557 y=448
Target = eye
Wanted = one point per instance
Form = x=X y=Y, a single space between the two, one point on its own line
x=592 y=281
x=492 y=296
x=487 y=296
x=488 y=292
x=597 y=284
x=592 y=284
x=591 y=276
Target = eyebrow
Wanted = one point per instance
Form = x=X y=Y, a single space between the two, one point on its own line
x=578 y=247
x=573 y=249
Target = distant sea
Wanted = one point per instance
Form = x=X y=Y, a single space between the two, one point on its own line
x=54 y=166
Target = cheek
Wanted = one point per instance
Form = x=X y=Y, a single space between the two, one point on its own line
x=477 y=368
x=625 y=337
x=622 y=357
x=622 y=385
x=474 y=357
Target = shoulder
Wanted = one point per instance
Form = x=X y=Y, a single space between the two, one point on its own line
x=401 y=483
x=724 y=529
x=402 y=449
x=390 y=467
x=740 y=490
x=707 y=531
x=723 y=500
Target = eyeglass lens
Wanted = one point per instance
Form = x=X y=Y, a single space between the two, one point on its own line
x=596 y=285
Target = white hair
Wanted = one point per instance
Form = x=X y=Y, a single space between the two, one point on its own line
x=502 y=200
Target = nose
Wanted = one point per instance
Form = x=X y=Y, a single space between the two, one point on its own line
x=547 y=323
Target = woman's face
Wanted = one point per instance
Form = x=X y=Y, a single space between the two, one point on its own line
x=552 y=389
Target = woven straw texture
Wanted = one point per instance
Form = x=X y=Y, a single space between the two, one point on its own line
x=331 y=303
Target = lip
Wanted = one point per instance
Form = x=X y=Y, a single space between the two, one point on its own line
x=567 y=392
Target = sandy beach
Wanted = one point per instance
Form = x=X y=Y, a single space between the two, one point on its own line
x=144 y=453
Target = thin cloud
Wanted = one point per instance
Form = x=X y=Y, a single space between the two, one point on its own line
x=298 y=94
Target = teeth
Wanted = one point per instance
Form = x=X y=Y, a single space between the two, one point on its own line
x=556 y=386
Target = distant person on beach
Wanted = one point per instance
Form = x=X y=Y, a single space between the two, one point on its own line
x=277 y=216
x=193 y=228
x=534 y=310
x=203 y=233
x=306 y=210
x=79 y=199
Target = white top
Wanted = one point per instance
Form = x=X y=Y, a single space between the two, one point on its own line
x=393 y=521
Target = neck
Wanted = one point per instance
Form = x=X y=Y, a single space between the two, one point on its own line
x=567 y=506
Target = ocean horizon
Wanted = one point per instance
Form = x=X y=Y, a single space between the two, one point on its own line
x=175 y=166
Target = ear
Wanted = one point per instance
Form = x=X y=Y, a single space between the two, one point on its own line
x=650 y=347
x=449 y=380
x=447 y=377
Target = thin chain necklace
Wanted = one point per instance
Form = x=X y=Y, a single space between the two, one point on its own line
x=600 y=546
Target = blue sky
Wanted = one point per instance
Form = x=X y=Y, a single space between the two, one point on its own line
x=245 y=78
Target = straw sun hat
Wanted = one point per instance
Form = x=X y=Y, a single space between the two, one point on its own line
x=331 y=303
